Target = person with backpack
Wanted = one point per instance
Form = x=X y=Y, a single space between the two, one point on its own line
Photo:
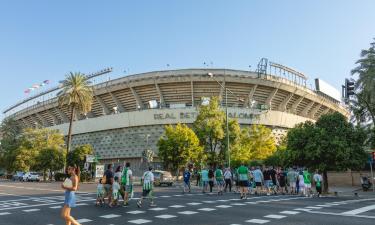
x=127 y=183
x=211 y=178
x=187 y=176
x=147 y=188
x=219 y=177
x=318 y=179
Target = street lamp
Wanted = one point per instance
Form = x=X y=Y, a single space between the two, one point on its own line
x=211 y=75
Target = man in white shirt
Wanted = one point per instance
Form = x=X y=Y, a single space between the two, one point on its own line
x=228 y=180
x=147 y=186
x=318 y=180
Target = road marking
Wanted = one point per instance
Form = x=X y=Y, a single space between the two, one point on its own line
x=223 y=200
x=136 y=212
x=165 y=216
x=139 y=221
x=290 y=212
x=4 y=213
x=302 y=209
x=157 y=209
x=165 y=196
x=187 y=212
x=209 y=201
x=56 y=207
x=360 y=210
x=177 y=206
x=313 y=207
x=110 y=216
x=258 y=221
x=223 y=206
x=273 y=216
x=194 y=203
x=81 y=204
x=323 y=205
x=31 y=210
x=207 y=209
x=29 y=206
x=178 y=195
x=84 y=220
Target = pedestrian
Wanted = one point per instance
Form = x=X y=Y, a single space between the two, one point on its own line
x=282 y=180
x=70 y=186
x=187 y=176
x=127 y=183
x=301 y=183
x=228 y=180
x=243 y=173
x=147 y=188
x=307 y=182
x=274 y=184
x=115 y=192
x=292 y=180
x=267 y=180
x=318 y=180
x=258 y=179
x=211 y=178
x=205 y=179
x=108 y=178
x=219 y=177
x=118 y=174
x=199 y=176
x=100 y=193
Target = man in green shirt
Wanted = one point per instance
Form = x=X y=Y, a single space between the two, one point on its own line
x=307 y=180
x=243 y=178
x=219 y=180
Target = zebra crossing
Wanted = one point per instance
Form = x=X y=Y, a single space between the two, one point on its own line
x=195 y=205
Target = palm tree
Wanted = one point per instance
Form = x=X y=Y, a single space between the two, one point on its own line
x=77 y=94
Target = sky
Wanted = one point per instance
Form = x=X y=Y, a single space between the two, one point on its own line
x=44 y=40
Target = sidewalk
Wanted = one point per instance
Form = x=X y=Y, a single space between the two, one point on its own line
x=350 y=191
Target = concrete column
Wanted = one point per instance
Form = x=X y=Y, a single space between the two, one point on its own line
x=106 y=111
x=284 y=103
x=137 y=99
x=118 y=103
x=161 y=98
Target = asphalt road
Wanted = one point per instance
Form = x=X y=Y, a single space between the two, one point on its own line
x=40 y=204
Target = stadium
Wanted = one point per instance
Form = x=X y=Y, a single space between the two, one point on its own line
x=129 y=113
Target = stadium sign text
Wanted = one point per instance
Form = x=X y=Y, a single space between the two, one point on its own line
x=193 y=115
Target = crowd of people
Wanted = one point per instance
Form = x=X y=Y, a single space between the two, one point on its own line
x=257 y=180
x=246 y=180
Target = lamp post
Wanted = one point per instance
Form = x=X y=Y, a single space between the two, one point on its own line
x=211 y=75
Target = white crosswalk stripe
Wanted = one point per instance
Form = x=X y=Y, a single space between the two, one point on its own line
x=31 y=210
x=165 y=216
x=207 y=209
x=56 y=207
x=290 y=212
x=223 y=206
x=84 y=220
x=187 y=212
x=157 y=209
x=4 y=213
x=194 y=203
x=136 y=212
x=110 y=216
x=140 y=221
x=257 y=221
x=176 y=206
x=273 y=216
x=359 y=210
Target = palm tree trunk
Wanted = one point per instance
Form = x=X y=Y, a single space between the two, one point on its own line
x=68 y=142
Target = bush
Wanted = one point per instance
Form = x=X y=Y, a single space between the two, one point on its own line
x=85 y=176
x=60 y=176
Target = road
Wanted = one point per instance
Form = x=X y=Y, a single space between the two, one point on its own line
x=40 y=204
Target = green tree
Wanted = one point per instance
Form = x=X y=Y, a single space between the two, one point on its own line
x=259 y=141
x=10 y=140
x=363 y=103
x=180 y=146
x=330 y=144
x=209 y=127
x=279 y=157
x=77 y=94
x=78 y=155
x=50 y=159
x=32 y=141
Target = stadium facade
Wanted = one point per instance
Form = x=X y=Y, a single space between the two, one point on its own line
x=129 y=113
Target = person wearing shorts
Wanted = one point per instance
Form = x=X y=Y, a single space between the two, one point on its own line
x=109 y=178
x=204 y=178
x=147 y=187
x=187 y=176
x=243 y=177
x=219 y=177
x=282 y=180
x=267 y=180
x=292 y=180
x=318 y=179
x=127 y=183
x=228 y=180
x=307 y=182
x=258 y=179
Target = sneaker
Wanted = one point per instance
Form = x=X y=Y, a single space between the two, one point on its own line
x=126 y=204
x=152 y=204
x=139 y=204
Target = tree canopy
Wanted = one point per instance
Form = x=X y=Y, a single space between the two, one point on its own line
x=179 y=146
x=78 y=155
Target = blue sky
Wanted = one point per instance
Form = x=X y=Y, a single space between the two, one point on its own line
x=46 y=39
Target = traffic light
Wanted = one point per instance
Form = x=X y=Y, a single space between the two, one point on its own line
x=349 y=88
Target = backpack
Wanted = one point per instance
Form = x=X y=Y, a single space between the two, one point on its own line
x=104 y=178
x=210 y=174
